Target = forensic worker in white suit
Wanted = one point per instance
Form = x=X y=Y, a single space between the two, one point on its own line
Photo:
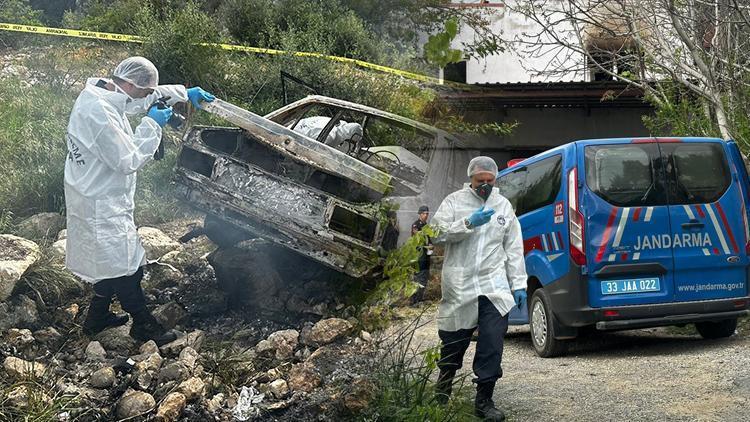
x=484 y=277
x=104 y=154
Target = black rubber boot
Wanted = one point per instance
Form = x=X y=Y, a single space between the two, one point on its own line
x=484 y=407
x=145 y=327
x=444 y=386
x=99 y=318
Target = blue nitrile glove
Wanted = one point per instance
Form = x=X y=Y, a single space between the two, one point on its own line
x=197 y=94
x=480 y=217
x=160 y=115
x=520 y=297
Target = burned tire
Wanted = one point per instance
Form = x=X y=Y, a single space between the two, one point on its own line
x=717 y=329
x=542 y=325
x=223 y=233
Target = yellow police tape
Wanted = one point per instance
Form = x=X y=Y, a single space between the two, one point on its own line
x=137 y=39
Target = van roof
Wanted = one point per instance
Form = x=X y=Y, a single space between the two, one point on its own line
x=613 y=141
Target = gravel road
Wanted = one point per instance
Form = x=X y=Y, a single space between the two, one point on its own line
x=659 y=374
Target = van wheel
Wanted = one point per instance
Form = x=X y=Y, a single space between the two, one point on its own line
x=541 y=323
x=717 y=329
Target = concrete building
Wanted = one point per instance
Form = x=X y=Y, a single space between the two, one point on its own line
x=575 y=102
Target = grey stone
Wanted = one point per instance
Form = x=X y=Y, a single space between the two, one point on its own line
x=103 y=378
x=44 y=225
x=17 y=368
x=19 y=337
x=278 y=388
x=48 y=336
x=156 y=243
x=19 y=312
x=194 y=339
x=189 y=357
x=58 y=249
x=171 y=407
x=280 y=344
x=95 y=351
x=169 y=314
x=16 y=256
x=148 y=348
x=116 y=339
x=134 y=403
x=328 y=330
x=192 y=388
x=175 y=371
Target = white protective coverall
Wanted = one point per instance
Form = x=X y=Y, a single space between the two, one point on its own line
x=481 y=261
x=100 y=172
x=312 y=126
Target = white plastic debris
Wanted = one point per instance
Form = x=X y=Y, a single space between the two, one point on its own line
x=246 y=408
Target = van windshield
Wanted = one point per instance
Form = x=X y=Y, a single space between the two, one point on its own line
x=625 y=175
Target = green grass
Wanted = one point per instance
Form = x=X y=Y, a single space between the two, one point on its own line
x=43 y=404
x=33 y=121
x=405 y=377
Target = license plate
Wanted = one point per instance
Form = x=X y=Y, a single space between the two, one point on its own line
x=633 y=285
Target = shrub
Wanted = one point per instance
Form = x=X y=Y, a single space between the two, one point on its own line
x=21 y=12
x=174 y=45
x=405 y=391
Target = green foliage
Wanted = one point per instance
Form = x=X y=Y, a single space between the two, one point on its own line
x=398 y=280
x=300 y=25
x=6 y=221
x=155 y=201
x=173 y=44
x=404 y=387
x=116 y=16
x=44 y=403
x=49 y=283
x=438 y=49
x=227 y=366
x=18 y=11
x=32 y=129
x=684 y=114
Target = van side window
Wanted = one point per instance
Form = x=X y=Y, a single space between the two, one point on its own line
x=511 y=186
x=698 y=172
x=532 y=187
x=542 y=185
x=625 y=175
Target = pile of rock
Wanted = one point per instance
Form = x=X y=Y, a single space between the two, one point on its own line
x=314 y=368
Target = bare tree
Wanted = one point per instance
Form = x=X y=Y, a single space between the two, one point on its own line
x=702 y=46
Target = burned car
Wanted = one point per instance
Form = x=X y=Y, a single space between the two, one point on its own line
x=317 y=177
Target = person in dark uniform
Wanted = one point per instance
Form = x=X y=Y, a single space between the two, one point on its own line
x=390 y=237
x=423 y=275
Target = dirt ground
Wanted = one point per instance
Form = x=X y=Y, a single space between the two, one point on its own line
x=661 y=374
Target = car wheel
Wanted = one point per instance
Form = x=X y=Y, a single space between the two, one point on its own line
x=541 y=323
x=717 y=329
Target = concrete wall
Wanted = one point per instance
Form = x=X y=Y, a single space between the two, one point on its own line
x=544 y=128
x=517 y=64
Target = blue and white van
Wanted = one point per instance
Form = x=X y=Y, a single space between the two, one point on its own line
x=632 y=233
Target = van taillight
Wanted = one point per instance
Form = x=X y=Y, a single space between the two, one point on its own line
x=575 y=221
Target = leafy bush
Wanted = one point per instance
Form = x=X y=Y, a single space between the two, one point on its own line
x=116 y=16
x=398 y=281
x=173 y=44
x=21 y=12
x=405 y=390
